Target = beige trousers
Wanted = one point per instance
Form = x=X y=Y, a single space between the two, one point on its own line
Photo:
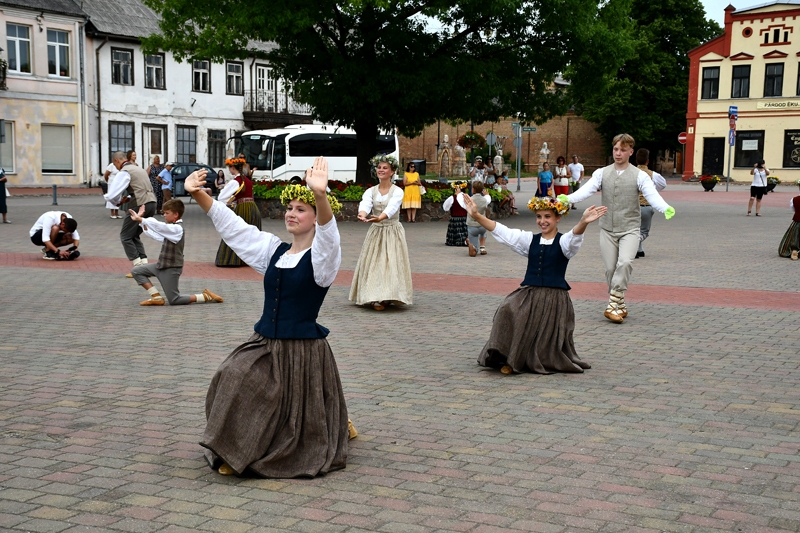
x=619 y=251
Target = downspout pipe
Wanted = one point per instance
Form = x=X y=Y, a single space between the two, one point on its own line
x=82 y=100
x=99 y=106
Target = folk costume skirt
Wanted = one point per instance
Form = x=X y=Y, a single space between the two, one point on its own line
x=275 y=408
x=532 y=332
x=790 y=241
x=457 y=232
x=248 y=210
x=383 y=271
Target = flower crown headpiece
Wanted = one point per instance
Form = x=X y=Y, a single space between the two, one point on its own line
x=543 y=204
x=385 y=159
x=235 y=161
x=461 y=184
x=304 y=194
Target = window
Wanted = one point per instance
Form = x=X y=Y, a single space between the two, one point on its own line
x=7 y=149
x=216 y=148
x=121 y=66
x=235 y=81
x=58 y=53
x=773 y=80
x=56 y=149
x=19 y=48
x=154 y=72
x=791 y=148
x=749 y=148
x=740 y=86
x=120 y=135
x=710 y=83
x=201 y=76
x=323 y=144
x=187 y=144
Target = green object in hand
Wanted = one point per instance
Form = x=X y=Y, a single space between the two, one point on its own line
x=563 y=198
x=669 y=213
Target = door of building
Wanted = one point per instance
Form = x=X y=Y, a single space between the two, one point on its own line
x=154 y=144
x=713 y=156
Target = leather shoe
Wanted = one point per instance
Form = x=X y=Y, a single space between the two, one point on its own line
x=226 y=470
x=153 y=301
x=472 y=251
x=351 y=430
x=614 y=316
x=639 y=254
x=211 y=297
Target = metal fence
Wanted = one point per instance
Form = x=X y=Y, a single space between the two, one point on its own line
x=273 y=102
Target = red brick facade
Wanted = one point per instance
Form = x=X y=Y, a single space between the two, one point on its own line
x=565 y=136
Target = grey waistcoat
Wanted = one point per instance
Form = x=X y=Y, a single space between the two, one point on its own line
x=621 y=196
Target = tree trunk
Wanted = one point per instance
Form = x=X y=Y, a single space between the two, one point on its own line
x=366 y=146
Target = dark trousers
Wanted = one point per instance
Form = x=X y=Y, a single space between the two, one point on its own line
x=130 y=233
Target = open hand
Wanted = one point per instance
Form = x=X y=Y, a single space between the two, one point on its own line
x=137 y=217
x=592 y=213
x=196 y=181
x=317 y=176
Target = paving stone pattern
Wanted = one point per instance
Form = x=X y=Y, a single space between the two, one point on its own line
x=688 y=420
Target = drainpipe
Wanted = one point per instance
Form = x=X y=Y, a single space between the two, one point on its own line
x=99 y=107
x=82 y=99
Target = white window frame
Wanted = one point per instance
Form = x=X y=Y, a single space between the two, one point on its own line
x=154 y=76
x=120 y=66
x=201 y=68
x=51 y=149
x=9 y=168
x=234 y=78
x=57 y=46
x=14 y=41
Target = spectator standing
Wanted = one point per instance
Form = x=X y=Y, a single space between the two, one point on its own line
x=153 y=171
x=545 y=181
x=219 y=182
x=481 y=171
x=759 y=186
x=642 y=157
x=109 y=175
x=576 y=173
x=412 y=199
x=165 y=177
x=561 y=178
x=3 y=207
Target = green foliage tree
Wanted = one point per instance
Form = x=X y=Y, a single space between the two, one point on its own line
x=642 y=87
x=383 y=64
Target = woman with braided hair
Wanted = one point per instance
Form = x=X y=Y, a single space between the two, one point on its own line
x=275 y=407
x=237 y=193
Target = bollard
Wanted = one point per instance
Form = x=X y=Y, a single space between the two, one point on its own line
x=55 y=194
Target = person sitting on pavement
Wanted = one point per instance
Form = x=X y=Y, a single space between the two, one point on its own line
x=53 y=230
x=169 y=268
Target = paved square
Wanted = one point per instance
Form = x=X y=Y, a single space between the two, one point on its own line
x=687 y=421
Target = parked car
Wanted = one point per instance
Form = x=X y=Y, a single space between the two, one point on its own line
x=180 y=171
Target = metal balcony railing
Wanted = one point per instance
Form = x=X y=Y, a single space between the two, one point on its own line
x=273 y=102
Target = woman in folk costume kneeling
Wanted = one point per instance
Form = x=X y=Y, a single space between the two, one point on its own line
x=239 y=194
x=275 y=407
x=532 y=328
x=383 y=272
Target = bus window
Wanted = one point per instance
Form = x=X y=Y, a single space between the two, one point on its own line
x=279 y=151
x=386 y=144
x=256 y=150
x=323 y=144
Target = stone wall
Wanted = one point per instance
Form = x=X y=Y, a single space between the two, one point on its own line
x=430 y=211
x=565 y=136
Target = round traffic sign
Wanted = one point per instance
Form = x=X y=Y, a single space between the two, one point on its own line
x=518 y=142
x=682 y=137
x=491 y=138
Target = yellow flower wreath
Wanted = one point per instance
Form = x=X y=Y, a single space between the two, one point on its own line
x=305 y=195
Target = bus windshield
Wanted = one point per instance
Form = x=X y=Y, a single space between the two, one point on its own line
x=257 y=150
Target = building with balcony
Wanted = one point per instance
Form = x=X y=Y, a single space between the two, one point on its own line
x=44 y=100
x=755 y=67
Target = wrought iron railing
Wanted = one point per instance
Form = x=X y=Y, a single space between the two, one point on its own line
x=273 y=102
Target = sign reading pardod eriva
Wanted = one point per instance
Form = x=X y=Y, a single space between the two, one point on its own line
x=788 y=104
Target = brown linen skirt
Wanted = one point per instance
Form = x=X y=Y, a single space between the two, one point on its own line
x=532 y=332
x=226 y=257
x=276 y=408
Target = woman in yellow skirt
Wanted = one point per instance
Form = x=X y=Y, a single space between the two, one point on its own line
x=412 y=199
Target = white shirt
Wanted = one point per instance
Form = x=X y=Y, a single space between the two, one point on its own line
x=391 y=208
x=449 y=202
x=575 y=169
x=760 y=177
x=118 y=188
x=155 y=229
x=112 y=171
x=643 y=181
x=659 y=181
x=228 y=190
x=520 y=240
x=560 y=176
x=47 y=221
x=256 y=247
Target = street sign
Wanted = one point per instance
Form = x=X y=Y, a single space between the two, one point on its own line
x=529 y=129
x=733 y=110
x=731 y=139
x=682 y=137
x=733 y=123
x=516 y=129
x=518 y=142
x=491 y=138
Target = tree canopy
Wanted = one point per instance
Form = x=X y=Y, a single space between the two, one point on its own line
x=643 y=89
x=385 y=64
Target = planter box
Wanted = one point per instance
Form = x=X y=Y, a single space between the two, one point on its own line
x=429 y=212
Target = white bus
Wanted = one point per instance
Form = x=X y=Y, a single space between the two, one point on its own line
x=286 y=153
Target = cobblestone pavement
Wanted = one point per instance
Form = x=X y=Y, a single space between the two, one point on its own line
x=687 y=421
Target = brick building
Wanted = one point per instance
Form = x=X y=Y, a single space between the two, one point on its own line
x=566 y=135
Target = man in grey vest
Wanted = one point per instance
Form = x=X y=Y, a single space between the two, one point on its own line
x=620 y=184
x=132 y=185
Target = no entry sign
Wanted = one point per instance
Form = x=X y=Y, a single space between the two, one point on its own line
x=682 y=137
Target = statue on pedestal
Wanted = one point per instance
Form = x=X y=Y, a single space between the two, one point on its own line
x=444 y=156
x=544 y=155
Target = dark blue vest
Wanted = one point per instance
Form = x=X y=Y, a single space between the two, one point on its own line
x=547 y=265
x=291 y=300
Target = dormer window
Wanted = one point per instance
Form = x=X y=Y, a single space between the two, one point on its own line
x=777 y=34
